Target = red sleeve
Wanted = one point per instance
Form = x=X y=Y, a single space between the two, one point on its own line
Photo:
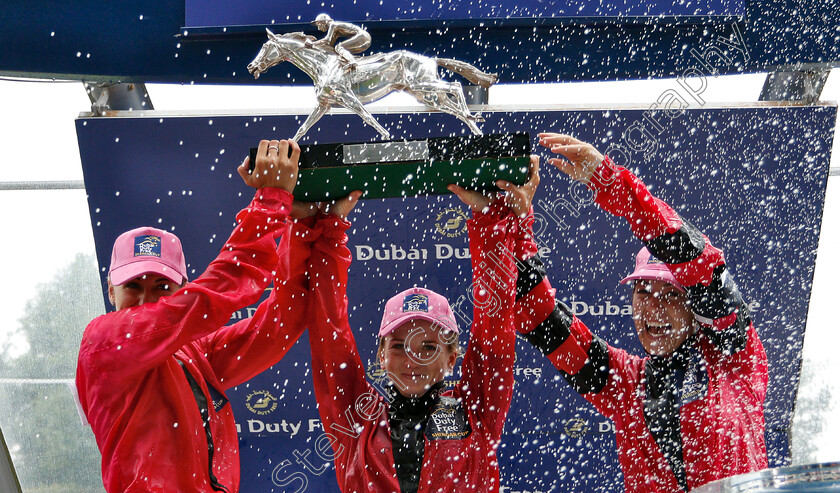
x=337 y=371
x=621 y=193
x=487 y=368
x=535 y=299
x=695 y=263
x=535 y=312
x=624 y=380
x=602 y=374
x=126 y=343
x=242 y=350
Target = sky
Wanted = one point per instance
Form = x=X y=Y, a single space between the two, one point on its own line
x=39 y=143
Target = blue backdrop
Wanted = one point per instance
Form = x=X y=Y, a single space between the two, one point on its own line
x=147 y=41
x=753 y=179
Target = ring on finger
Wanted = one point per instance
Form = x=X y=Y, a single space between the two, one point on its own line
x=275 y=148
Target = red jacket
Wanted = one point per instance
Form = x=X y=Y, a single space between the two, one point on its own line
x=719 y=375
x=132 y=386
x=355 y=416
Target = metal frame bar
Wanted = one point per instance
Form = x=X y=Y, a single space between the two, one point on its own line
x=8 y=477
x=117 y=96
x=42 y=185
x=803 y=85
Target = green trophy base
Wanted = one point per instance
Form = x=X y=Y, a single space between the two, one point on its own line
x=412 y=167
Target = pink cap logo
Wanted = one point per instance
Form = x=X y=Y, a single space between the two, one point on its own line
x=415 y=303
x=147 y=246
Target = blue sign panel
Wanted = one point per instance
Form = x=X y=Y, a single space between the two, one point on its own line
x=212 y=13
x=753 y=179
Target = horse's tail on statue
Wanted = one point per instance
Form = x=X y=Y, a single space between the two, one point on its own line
x=468 y=71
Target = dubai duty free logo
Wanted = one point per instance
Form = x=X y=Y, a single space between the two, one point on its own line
x=576 y=427
x=147 y=246
x=415 y=302
x=451 y=222
x=261 y=402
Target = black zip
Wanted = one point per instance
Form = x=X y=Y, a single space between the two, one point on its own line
x=201 y=400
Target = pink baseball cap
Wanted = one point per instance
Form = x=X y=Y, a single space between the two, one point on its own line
x=417 y=303
x=650 y=267
x=145 y=250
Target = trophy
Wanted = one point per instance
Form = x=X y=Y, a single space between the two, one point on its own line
x=388 y=169
x=410 y=167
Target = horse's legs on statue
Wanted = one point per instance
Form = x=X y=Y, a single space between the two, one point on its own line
x=313 y=117
x=454 y=98
x=356 y=106
x=449 y=98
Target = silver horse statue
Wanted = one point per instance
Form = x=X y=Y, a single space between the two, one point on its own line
x=375 y=76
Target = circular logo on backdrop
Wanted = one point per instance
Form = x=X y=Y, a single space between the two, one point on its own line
x=451 y=222
x=261 y=402
x=576 y=427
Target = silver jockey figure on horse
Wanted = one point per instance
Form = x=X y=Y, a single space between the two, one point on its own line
x=358 y=40
x=343 y=80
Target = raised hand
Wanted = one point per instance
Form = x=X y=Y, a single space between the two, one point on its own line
x=581 y=159
x=477 y=201
x=342 y=207
x=274 y=166
x=519 y=198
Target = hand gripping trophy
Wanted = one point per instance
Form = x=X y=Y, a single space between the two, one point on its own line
x=344 y=80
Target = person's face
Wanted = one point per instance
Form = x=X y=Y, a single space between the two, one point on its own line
x=322 y=25
x=141 y=290
x=417 y=355
x=662 y=316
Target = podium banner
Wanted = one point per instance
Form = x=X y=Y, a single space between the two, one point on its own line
x=751 y=178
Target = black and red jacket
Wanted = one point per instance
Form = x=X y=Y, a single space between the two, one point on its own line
x=681 y=420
